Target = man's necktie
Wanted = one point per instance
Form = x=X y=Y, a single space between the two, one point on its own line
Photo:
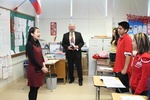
x=72 y=38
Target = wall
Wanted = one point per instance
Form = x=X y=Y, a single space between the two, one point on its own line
x=88 y=16
x=17 y=62
x=91 y=17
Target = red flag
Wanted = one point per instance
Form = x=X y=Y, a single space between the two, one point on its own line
x=36 y=6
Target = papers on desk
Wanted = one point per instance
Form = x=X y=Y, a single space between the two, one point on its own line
x=51 y=61
x=105 y=68
x=131 y=98
x=112 y=82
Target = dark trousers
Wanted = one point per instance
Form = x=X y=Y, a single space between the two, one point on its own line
x=33 y=93
x=112 y=56
x=125 y=81
x=74 y=60
x=149 y=88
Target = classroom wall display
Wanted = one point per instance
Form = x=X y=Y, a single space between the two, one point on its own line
x=138 y=24
x=4 y=32
x=5 y=67
x=19 y=26
x=53 y=28
x=5 y=47
x=148 y=30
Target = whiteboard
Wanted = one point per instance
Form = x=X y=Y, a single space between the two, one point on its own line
x=4 y=32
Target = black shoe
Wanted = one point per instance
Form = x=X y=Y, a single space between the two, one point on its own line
x=71 y=81
x=80 y=83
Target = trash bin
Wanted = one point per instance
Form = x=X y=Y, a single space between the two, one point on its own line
x=51 y=83
x=25 y=64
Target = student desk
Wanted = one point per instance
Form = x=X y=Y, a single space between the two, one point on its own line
x=99 y=83
x=116 y=96
x=60 y=69
x=49 y=63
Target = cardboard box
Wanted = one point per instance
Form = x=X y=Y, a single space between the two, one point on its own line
x=85 y=72
x=84 y=62
x=75 y=73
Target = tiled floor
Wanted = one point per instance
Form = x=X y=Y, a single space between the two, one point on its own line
x=62 y=92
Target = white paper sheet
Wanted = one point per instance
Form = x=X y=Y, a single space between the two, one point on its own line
x=131 y=98
x=5 y=44
x=9 y=70
x=30 y=23
x=112 y=82
x=17 y=49
x=51 y=62
x=0 y=67
x=54 y=46
x=105 y=68
x=5 y=72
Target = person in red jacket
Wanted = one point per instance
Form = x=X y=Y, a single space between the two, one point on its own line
x=140 y=65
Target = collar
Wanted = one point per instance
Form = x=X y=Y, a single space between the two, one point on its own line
x=123 y=36
x=71 y=33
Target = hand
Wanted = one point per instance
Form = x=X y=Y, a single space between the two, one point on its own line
x=44 y=69
x=76 y=47
x=70 y=48
x=124 y=71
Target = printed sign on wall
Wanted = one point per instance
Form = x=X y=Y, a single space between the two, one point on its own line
x=53 y=28
x=148 y=31
x=138 y=24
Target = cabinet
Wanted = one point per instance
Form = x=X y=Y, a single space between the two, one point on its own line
x=85 y=63
x=95 y=46
x=44 y=47
x=60 y=69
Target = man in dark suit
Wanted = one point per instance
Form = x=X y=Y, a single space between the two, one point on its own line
x=72 y=42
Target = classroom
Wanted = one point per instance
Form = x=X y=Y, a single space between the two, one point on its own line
x=83 y=53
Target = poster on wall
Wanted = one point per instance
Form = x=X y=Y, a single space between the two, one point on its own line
x=5 y=42
x=148 y=26
x=137 y=24
x=53 y=28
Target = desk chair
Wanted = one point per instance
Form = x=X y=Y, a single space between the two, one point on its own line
x=25 y=64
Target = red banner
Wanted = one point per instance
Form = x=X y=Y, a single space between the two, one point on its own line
x=134 y=18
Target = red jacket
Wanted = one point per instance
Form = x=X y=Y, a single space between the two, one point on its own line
x=140 y=73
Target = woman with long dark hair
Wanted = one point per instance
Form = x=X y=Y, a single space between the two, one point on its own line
x=36 y=66
x=115 y=37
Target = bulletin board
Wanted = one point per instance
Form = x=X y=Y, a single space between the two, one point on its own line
x=19 y=26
